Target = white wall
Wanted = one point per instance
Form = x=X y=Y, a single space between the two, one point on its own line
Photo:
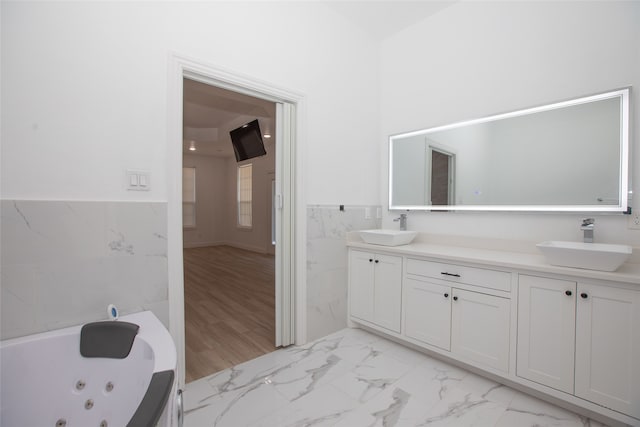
x=476 y=59
x=84 y=91
x=216 y=202
x=258 y=238
x=211 y=185
x=85 y=85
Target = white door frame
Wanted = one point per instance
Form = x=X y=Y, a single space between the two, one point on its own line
x=292 y=325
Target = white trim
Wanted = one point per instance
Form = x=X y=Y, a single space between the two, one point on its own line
x=278 y=221
x=179 y=68
x=174 y=216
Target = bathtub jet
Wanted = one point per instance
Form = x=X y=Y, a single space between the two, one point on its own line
x=107 y=374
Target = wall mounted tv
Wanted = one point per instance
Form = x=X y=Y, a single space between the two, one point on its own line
x=247 y=141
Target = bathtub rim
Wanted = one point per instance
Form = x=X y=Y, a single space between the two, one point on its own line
x=152 y=331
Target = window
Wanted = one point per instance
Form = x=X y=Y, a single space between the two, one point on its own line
x=244 y=195
x=188 y=197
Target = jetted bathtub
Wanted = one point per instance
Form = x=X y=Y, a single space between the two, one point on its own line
x=114 y=373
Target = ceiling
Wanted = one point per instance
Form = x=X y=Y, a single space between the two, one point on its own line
x=209 y=113
x=382 y=19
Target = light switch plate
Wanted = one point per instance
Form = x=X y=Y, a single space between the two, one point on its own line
x=138 y=180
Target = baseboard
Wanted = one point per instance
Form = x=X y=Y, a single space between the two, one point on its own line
x=189 y=245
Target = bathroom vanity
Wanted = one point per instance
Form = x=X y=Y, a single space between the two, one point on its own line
x=568 y=335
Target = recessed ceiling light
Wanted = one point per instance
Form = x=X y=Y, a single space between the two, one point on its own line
x=192 y=146
x=267 y=135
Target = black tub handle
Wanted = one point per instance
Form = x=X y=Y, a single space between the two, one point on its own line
x=154 y=400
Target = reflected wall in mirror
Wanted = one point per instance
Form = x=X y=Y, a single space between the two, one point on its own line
x=567 y=156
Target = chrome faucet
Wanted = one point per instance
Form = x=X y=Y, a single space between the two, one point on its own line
x=588 y=224
x=403 y=221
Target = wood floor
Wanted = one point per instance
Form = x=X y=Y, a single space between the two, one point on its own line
x=229 y=308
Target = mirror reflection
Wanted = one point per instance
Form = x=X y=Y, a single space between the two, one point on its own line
x=565 y=156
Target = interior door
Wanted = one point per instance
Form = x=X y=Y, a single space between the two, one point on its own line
x=284 y=220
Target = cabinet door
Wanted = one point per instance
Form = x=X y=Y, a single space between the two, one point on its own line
x=546 y=331
x=361 y=284
x=608 y=347
x=427 y=312
x=480 y=328
x=387 y=301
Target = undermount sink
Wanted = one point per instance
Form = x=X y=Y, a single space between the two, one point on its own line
x=388 y=237
x=591 y=256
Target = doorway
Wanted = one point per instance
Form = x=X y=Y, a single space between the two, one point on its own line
x=228 y=212
x=290 y=291
x=442 y=164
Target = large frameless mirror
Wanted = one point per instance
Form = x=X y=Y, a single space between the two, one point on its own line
x=567 y=156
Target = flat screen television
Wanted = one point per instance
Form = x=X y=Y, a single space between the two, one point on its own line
x=247 y=141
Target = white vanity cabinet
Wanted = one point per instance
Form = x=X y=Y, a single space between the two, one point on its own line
x=602 y=321
x=456 y=308
x=569 y=335
x=375 y=288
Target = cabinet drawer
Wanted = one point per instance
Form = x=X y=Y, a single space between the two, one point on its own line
x=492 y=279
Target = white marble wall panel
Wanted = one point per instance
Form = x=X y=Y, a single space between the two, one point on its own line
x=63 y=262
x=327 y=264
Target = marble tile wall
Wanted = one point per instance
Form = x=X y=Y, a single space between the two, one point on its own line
x=327 y=264
x=63 y=262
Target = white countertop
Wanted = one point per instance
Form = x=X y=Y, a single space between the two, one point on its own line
x=504 y=257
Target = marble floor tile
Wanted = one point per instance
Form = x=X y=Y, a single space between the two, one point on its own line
x=528 y=411
x=371 y=376
x=388 y=408
x=488 y=389
x=236 y=408
x=309 y=373
x=463 y=409
x=430 y=385
x=323 y=407
x=353 y=378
